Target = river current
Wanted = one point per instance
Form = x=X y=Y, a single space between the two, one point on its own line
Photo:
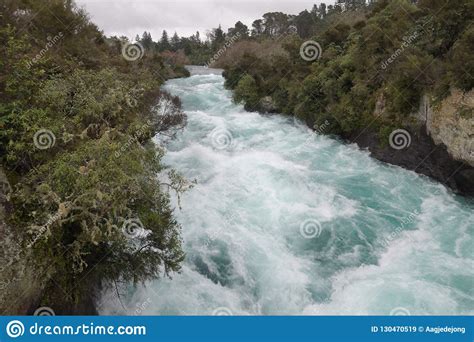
x=286 y=221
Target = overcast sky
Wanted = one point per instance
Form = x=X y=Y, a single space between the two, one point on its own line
x=131 y=17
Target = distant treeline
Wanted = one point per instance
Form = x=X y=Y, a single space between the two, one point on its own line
x=199 y=50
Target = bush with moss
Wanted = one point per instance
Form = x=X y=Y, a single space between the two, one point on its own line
x=77 y=118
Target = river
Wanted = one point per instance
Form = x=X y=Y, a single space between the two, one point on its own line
x=286 y=221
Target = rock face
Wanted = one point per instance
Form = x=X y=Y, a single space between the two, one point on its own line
x=17 y=284
x=266 y=105
x=422 y=156
x=452 y=124
x=441 y=141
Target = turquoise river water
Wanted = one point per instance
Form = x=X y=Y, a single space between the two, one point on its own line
x=285 y=221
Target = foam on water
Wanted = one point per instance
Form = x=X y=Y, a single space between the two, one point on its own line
x=388 y=238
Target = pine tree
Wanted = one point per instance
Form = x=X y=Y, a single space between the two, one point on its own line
x=175 y=42
x=164 y=43
x=146 y=40
x=217 y=38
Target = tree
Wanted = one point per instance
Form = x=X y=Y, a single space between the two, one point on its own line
x=146 y=41
x=217 y=38
x=322 y=10
x=175 y=42
x=198 y=37
x=239 y=29
x=164 y=43
x=257 y=28
x=462 y=64
x=304 y=22
x=275 y=23
x=351 y=5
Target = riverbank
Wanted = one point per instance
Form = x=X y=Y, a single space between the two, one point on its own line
x=402 y=90
x=79 y=111
x=421 y=153
x=424 y=157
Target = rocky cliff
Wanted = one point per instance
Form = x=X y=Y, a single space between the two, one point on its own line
x=441 y=141
x=452 y=123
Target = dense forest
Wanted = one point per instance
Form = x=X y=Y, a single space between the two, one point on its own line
x=83 y=205
x=361 y=62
